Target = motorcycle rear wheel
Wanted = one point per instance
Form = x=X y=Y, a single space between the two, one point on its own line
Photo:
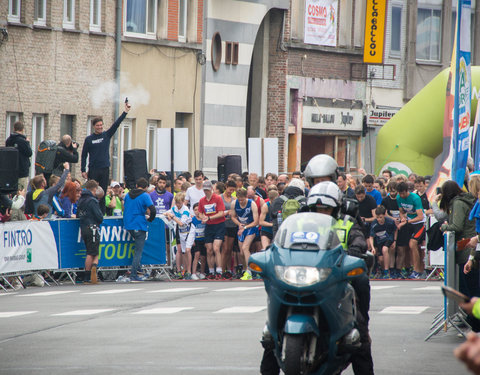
x=295 y=354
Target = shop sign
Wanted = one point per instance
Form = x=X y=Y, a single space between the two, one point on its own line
x=380 y=115
x=321 y=22
x=326 y=118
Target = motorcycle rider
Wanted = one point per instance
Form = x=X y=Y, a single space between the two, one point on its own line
x=326 y=198
x=320 y=168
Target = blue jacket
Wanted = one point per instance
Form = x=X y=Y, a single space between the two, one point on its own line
x=136 y=203
x=97 y=146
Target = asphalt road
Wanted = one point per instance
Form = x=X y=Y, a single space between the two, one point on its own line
x=197 y=327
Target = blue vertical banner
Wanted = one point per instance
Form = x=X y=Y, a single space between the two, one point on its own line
x=475 y=149
x=463 y=89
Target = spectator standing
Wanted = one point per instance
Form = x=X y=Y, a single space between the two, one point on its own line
x=411 y=211
x=270 y=179
x=199 y=251
x=366 y=208
x=137 y=204
x=68 y=199
x=195 y=192
x=212 y=211
x=458 y=204
x=114 y=200
x=244 y=213
x=266 y=233
x=391 y=205
x=253 y=181
x=180 y=214
x=18 y=140
x=97 y=148
x=368 y=182
x=231 y=228
x=42 y=196
x=91 y=216
x=343 y=185
x=383 y=235
x=67 y=151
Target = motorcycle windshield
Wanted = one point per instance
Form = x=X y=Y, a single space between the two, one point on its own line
x=308 y=231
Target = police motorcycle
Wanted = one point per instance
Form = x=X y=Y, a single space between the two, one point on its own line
x=311 y=323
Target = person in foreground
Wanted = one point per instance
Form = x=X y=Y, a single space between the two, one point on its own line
x=469 y=351
x=137 y=204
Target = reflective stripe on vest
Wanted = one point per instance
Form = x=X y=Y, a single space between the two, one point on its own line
x=342 y=228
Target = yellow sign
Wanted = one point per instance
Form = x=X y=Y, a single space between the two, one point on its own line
x=374 y=31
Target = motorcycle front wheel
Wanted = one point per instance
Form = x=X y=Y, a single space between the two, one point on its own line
x=295 y=354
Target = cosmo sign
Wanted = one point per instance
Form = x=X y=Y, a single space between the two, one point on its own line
x=321 y=22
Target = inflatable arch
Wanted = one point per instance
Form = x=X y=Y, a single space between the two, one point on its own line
x=412 y=139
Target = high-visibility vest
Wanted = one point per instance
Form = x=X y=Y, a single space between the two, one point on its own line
x=342 y=228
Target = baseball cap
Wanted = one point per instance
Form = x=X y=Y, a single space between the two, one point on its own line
x=114 y=184
x=207 y=185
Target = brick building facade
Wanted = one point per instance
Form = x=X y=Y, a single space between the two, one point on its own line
x=308 y=83
x=52 y=66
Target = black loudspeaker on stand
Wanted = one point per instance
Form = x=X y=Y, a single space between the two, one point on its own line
x=227 y=164
x=8 y=170
x=134 y=166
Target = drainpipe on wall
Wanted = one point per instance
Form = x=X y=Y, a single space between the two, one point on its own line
x=118 y=50
x=204 y=75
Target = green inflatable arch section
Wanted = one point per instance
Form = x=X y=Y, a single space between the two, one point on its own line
x=414 y=136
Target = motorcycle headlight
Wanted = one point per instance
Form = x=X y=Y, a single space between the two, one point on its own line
x=302 y=276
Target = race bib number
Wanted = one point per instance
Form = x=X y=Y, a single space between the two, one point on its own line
x=210 y=209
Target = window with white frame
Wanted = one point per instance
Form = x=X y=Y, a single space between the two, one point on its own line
x=152 y=126
x=140 y=18
x=14 y=7
x=396 y=29
x=12 y=118
x=182 y=20
x=429 y=28
x=38 y=131
x=69 y=14
x=40 y=16
x=96 y=15
x=125 y=142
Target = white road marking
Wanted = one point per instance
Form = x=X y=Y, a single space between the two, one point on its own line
x=437 y=288
x=163 y=310
x=401 y=310
x=45 y=294
x=174 y=290
x=83 y=312
x=240 y=310
x=113 y=291
x=8 y=294
x=380 y=287
x=9 y=314
x=239 y=289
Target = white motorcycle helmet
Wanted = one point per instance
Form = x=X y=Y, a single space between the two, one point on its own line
x=321 y=165
x=325 y=194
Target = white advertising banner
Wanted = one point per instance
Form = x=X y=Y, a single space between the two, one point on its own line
x=27 y=246
x=321 y=22
x=180 y=149
x=326 y=118
x=263 y=155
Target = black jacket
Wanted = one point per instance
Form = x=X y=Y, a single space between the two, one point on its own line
x=356 y=243
x=64 y=154
x=19 y=141
x=88 y=209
